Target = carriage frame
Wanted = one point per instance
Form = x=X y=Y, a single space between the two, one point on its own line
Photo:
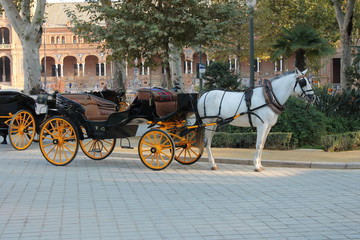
x=19 y=118
x=168 y=138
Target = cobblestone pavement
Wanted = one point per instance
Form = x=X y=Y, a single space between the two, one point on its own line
x=122 y=199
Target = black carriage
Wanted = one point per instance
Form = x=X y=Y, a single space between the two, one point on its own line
x=94 y=124
x=19 y=119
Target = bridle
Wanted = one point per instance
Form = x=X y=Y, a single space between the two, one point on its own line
x=301 y=80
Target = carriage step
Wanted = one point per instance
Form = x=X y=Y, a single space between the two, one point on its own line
x=128 y=146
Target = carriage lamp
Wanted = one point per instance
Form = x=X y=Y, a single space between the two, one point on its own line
x=251 y=5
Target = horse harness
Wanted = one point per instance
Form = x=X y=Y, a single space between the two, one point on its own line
x=270 y=101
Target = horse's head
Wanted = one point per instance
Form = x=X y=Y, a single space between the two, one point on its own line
x=303 y=85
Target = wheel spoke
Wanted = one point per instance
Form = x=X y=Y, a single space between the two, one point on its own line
x=71 y=151
x=148 y=144
x=50 y=133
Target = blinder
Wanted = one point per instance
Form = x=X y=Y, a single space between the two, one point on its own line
x=301 y=80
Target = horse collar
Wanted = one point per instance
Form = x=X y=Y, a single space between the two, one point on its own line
x=271 y=99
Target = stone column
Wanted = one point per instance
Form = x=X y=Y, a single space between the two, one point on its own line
x=61 y=70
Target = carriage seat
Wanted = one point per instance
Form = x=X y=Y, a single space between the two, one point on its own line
x=165 y=101
x=96 y=109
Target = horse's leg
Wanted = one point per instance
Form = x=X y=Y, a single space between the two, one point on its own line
x=208 y=135
x=262 y=132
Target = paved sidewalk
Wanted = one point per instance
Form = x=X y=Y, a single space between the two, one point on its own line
x=120 y=198
x=303 y=158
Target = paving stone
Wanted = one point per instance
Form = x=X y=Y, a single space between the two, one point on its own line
x=119 y=198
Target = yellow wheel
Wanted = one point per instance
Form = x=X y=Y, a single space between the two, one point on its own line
x=156 y=149
x=22 y=130
x=188 y=149
x=97 y=149
x=58 y=141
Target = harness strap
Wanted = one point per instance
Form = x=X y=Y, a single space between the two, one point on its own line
x=271 y=99
x=205 y=102
x=248 y=95
x=222 y=98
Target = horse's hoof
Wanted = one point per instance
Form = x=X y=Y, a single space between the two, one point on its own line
x=215 y=168
x=260 y=169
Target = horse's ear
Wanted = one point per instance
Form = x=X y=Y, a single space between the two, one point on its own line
x=297 y=72
x=305 y=71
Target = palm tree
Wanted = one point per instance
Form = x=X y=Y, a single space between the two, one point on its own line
x=304 y=42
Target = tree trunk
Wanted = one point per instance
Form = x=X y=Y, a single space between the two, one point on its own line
x=300 y=59
x=346 y=57
x=344 y=20
x=29 y=31
x=165 y=83
x=32 y=67
x=119 y=75
x=175 y=67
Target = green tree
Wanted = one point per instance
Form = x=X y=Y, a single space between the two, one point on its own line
x=301 y=41
x=153 y=30
x=28 y=26
x=272 y=16
x=219 y=76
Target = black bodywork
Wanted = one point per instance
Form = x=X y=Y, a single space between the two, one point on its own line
x=13 y=101
x=122 y=124
x=10 y=103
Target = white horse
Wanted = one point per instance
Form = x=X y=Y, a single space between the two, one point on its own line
x=218 y=105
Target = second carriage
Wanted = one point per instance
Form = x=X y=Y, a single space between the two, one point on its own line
x=21 y=116
x=94 y=124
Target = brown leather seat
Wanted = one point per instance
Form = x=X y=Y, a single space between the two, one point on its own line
x=165 y=101
x=96 y=109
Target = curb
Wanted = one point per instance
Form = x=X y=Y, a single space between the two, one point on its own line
x=268 y=163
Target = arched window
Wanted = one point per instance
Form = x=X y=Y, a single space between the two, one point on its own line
x=52 y=40
x=58 y=40
x=5 y=69
x=4 y=36
x=74 y=39
x=63 y=40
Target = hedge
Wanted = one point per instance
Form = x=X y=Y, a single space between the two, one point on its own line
x=275 y=140
x=341 y=142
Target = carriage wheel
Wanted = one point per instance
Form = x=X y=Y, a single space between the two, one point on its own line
x=188 y=150
x=58 y=141
x=97 y=149
x=22 y=130
x=156 y=149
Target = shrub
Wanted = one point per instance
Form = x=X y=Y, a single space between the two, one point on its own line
x=275 y=140
x=341 y=142
x=306 y=124
x=353 y=75
x=344 y=103
x=218 y=76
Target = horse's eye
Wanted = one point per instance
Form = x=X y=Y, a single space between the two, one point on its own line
x=302 y=82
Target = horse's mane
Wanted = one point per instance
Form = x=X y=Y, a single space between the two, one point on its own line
x=282 y=75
